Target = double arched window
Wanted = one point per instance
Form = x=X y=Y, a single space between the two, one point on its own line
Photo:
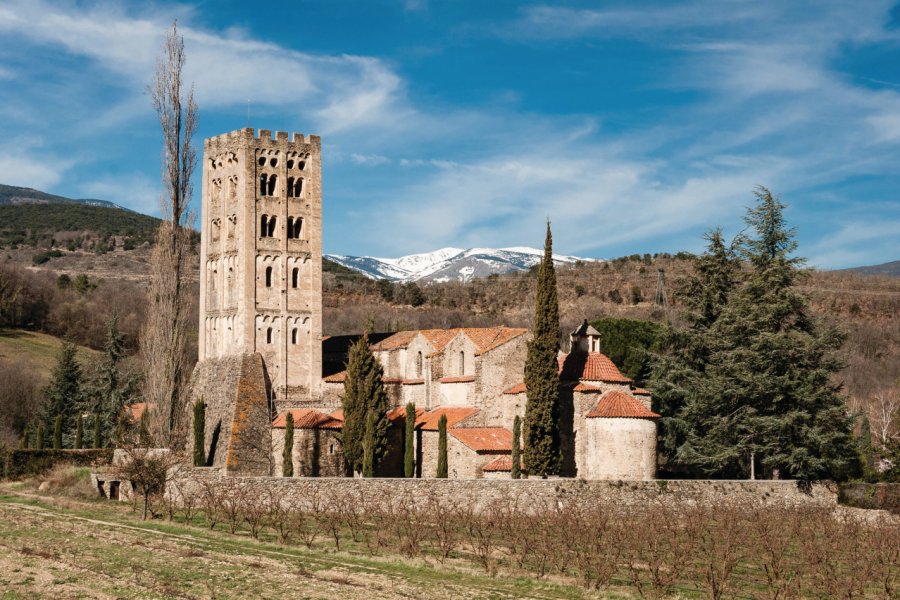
x=267 y=225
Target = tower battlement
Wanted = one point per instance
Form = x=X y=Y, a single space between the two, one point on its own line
x=261 y=255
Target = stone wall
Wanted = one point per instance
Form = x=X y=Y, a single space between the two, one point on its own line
x=533 y=494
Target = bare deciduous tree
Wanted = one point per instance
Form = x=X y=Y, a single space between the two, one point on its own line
x=163 y=340
x=884 y=415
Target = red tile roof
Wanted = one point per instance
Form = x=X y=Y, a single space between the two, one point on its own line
x=616 y=404
x=455 y=414
x=137 y=410
x=412 y=381
x=488 y=338
x=591 y=366
x=586 y=388
x=458 y=379
x=484 y=338
x=399 y=413
x=336 y=377
x=401 y=339
x=641 y=392
x=484 y=439
x=308 y=418
x=500 y=464
x=519 y=388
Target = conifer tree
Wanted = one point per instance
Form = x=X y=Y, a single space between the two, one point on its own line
x=363 y=392
x=516 y=472
x=112 y=388
x=25 y=444
x=442 y=448
x=98 y=442
x=754 y=382
x=287 y=453
x=79 y=432
x=409 y=451
x=542 y=444
x=200 y=433
x=57 y=432
x=368 y=469
x=64 y=392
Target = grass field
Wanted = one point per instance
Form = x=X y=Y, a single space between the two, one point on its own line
x=36 y=349
x=63 y=548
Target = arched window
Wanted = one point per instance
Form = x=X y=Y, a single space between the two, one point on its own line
x=268 y=276
x=262 y=184
x=272 y=180
x=298 y=187
x=419 y=364
x=264 y=226
x=272 y=220
x=290 y=228
x=294 y=335
x=290 y=184
x=462 y=362
x=295 y=278
x=297 y=227
x=301 y=165
x=269 y=335
x=212 y=281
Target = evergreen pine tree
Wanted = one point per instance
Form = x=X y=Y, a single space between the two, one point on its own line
x=756 y=381
x=542 y=445
x=79 y=432
x=363 y=392
x=368 y=468
x=409 y=450
x=64 y=392
x=200 y=433
x=112 y=388
x=516 y=472
x=287 y=453
x=98 y=442
x=442 y=448
x=39 y=438
x=57 y=432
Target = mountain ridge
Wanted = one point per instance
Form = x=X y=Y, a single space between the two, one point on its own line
x=11 y=195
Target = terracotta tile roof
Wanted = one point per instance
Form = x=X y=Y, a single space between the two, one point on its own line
x=399 y=413
x=488 y=338
x=136 y=411
x=336 y=377
x=401 y=339
x=616 y=404
x=500 y=464
x=413 y=381
x=392 y=379
x=439 y=338
x=641 y=392
x=586 y=388
x=591 y=366
x=484 y=338
x=338 y=414
x=458 y=379
x=455 y=414
x=484 y=439
x=308 y=418
x=519 y=388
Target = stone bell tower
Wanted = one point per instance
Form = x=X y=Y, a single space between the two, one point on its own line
x=261 y=257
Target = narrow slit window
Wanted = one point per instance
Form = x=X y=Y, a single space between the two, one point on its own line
x=269 y=335
x=295 y=278
x=263 y=185
x=272 y=180
x=297 y=228
x=462 y=363
x=264 y=226
x=419 y=364
x=298 y=187
x=290 y=186
x=294 y=336
x=268 y=276
x=272 y=220
x=290 y=227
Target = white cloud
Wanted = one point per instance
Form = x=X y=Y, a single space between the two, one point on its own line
x=26 y=170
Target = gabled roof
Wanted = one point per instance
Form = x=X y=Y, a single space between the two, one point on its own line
x=399 y=413
x=308 y=418
x=484 y=439
x=336 y=377
x=615 y=404
x=483 y=338
x=641 y=392
x=401 y=339
x=590 y=366
x=501 y=464
x=455 y=415
x=519 y=388
x=585 y=329
x=488 y=338
x=586 y=388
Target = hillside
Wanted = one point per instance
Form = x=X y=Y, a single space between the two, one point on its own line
x=36 y=350
x=888 y=269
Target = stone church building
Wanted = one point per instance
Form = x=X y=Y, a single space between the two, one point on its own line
x=262 y=353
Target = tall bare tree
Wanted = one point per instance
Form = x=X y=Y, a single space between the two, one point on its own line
x=163 y=339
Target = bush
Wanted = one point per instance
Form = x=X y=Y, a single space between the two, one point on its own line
x=30 y=463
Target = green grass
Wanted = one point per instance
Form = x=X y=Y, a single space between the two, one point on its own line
x=38 y=350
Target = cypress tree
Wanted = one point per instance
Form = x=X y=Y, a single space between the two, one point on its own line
x=516 y=472
x=200 y=433
x=39 y=439
x=542 y=445
x=57 y=432
x=368 y=469
x=79 y=433
x=442 y=448
x=112 y=389
x=287 y=453
x=26 y=437
x=363 y=392
x=64 y=392
x=97 y=439
x=409 y=451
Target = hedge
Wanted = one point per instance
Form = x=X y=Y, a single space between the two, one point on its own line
x=24 y=463
x=881 y=496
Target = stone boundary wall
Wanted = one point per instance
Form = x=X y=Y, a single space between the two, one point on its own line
x=533 y=495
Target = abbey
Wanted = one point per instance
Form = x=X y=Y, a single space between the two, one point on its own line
x=261 y=346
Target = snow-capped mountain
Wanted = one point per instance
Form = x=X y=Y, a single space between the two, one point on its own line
x=450 y=264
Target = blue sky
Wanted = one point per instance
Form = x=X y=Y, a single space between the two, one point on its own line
x=633 y=126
